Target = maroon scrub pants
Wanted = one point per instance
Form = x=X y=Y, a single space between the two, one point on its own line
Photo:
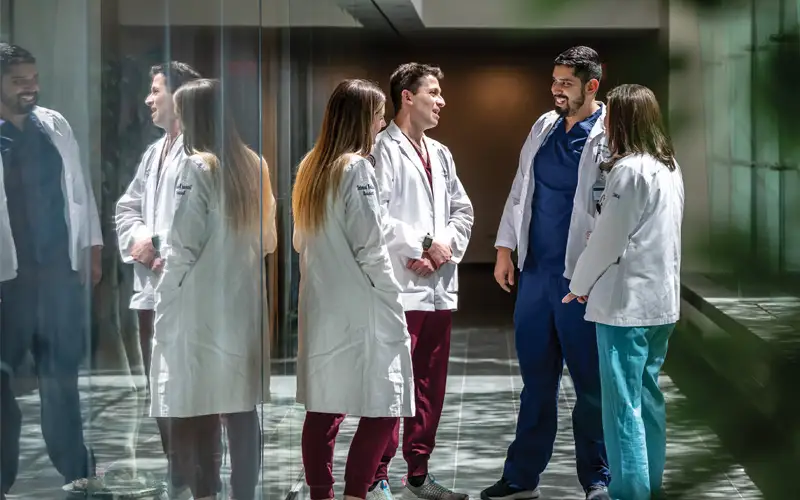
x=430 y=355
x=319 y=437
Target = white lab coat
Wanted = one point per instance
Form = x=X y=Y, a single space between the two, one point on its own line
x=211 y=319
x=630 y=268
x=516 y=220
x=413 y=210
x=80 y=208
x=355 y=351
x=139 y=209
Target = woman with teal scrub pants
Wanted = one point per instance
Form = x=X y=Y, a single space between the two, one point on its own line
x=629 y=278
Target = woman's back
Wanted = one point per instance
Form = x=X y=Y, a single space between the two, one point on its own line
x=212 y=299
x=644 y=284
x=354 y=341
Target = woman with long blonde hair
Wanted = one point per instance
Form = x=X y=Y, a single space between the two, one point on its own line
x=209 y=329
x=355 y=350
x=629 y=275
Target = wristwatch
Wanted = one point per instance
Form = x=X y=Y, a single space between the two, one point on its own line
x=427 y=241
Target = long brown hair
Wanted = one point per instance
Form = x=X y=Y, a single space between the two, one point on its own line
x=209 y=132
x=635 y=126
x=346 y=130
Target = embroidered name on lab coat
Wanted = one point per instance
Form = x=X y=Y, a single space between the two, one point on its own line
x=365 y=189
x=182 y=189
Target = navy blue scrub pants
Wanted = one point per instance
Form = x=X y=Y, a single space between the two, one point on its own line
x=42 y=312
x=548 y=333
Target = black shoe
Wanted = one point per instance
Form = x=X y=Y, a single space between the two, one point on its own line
x=503 y=490
x=597 y=492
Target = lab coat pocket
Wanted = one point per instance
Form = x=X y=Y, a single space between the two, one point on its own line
x=606 y=293
x=389 y=318
x=449 y=276
x=169 y=318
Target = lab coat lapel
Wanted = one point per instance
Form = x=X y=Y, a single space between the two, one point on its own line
x=599 y=125
x=440 y=173
x=151 y=182
x=592 y=156
x=411 y=155
x=169 y=159
x=46 y=120
x=176 y=149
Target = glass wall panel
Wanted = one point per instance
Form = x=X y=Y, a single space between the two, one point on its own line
x=752 y=157
x=790 y=157
x=148 y=341
x=724 y=41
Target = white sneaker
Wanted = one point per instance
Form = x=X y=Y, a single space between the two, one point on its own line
x=431 y=490
x=380 y=492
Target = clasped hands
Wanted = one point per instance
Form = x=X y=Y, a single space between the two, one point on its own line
x=432 y=259
x=144 y=253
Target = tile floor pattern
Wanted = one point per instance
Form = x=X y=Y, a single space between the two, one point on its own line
x=478 y=424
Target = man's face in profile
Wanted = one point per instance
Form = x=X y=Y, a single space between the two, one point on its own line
x=162 y=107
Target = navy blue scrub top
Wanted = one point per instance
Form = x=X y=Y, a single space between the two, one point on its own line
x=33 y=172
x=555 y=171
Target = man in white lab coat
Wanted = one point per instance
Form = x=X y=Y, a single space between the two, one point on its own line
x=429 y=222
x=547 y=219
x=138 y=210
x=50 y=245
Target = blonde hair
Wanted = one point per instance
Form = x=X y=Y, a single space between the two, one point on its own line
x=209 y=131
x=346 y=130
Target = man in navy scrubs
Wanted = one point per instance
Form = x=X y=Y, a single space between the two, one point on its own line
x=48 y=221
x=547 y=218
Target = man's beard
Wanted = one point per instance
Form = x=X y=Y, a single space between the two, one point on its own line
x=572 y=107
x=17 y=106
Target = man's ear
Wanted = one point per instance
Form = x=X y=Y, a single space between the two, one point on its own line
x=592 y=86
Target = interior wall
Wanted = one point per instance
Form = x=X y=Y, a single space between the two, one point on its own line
x=494 y=91
x=495 y=88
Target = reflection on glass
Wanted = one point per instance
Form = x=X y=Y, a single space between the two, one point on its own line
x=50 y=245
x=143 y=215
x=206 y=352
x=99 y=273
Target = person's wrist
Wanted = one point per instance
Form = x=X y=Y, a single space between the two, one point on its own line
x=427 y=242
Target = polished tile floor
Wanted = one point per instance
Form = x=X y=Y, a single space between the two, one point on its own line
x=478 y=424
x=480 y=416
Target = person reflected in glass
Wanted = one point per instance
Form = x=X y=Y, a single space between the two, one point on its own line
x=629 y=278
x=355 y=349
x=209 y=323
x=137 y=212
x=50 y=248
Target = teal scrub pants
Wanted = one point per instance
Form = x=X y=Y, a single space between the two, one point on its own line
x=634 y=417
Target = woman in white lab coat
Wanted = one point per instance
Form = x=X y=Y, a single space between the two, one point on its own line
x=355 y=350
x=630 y=271
x=209 y=329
